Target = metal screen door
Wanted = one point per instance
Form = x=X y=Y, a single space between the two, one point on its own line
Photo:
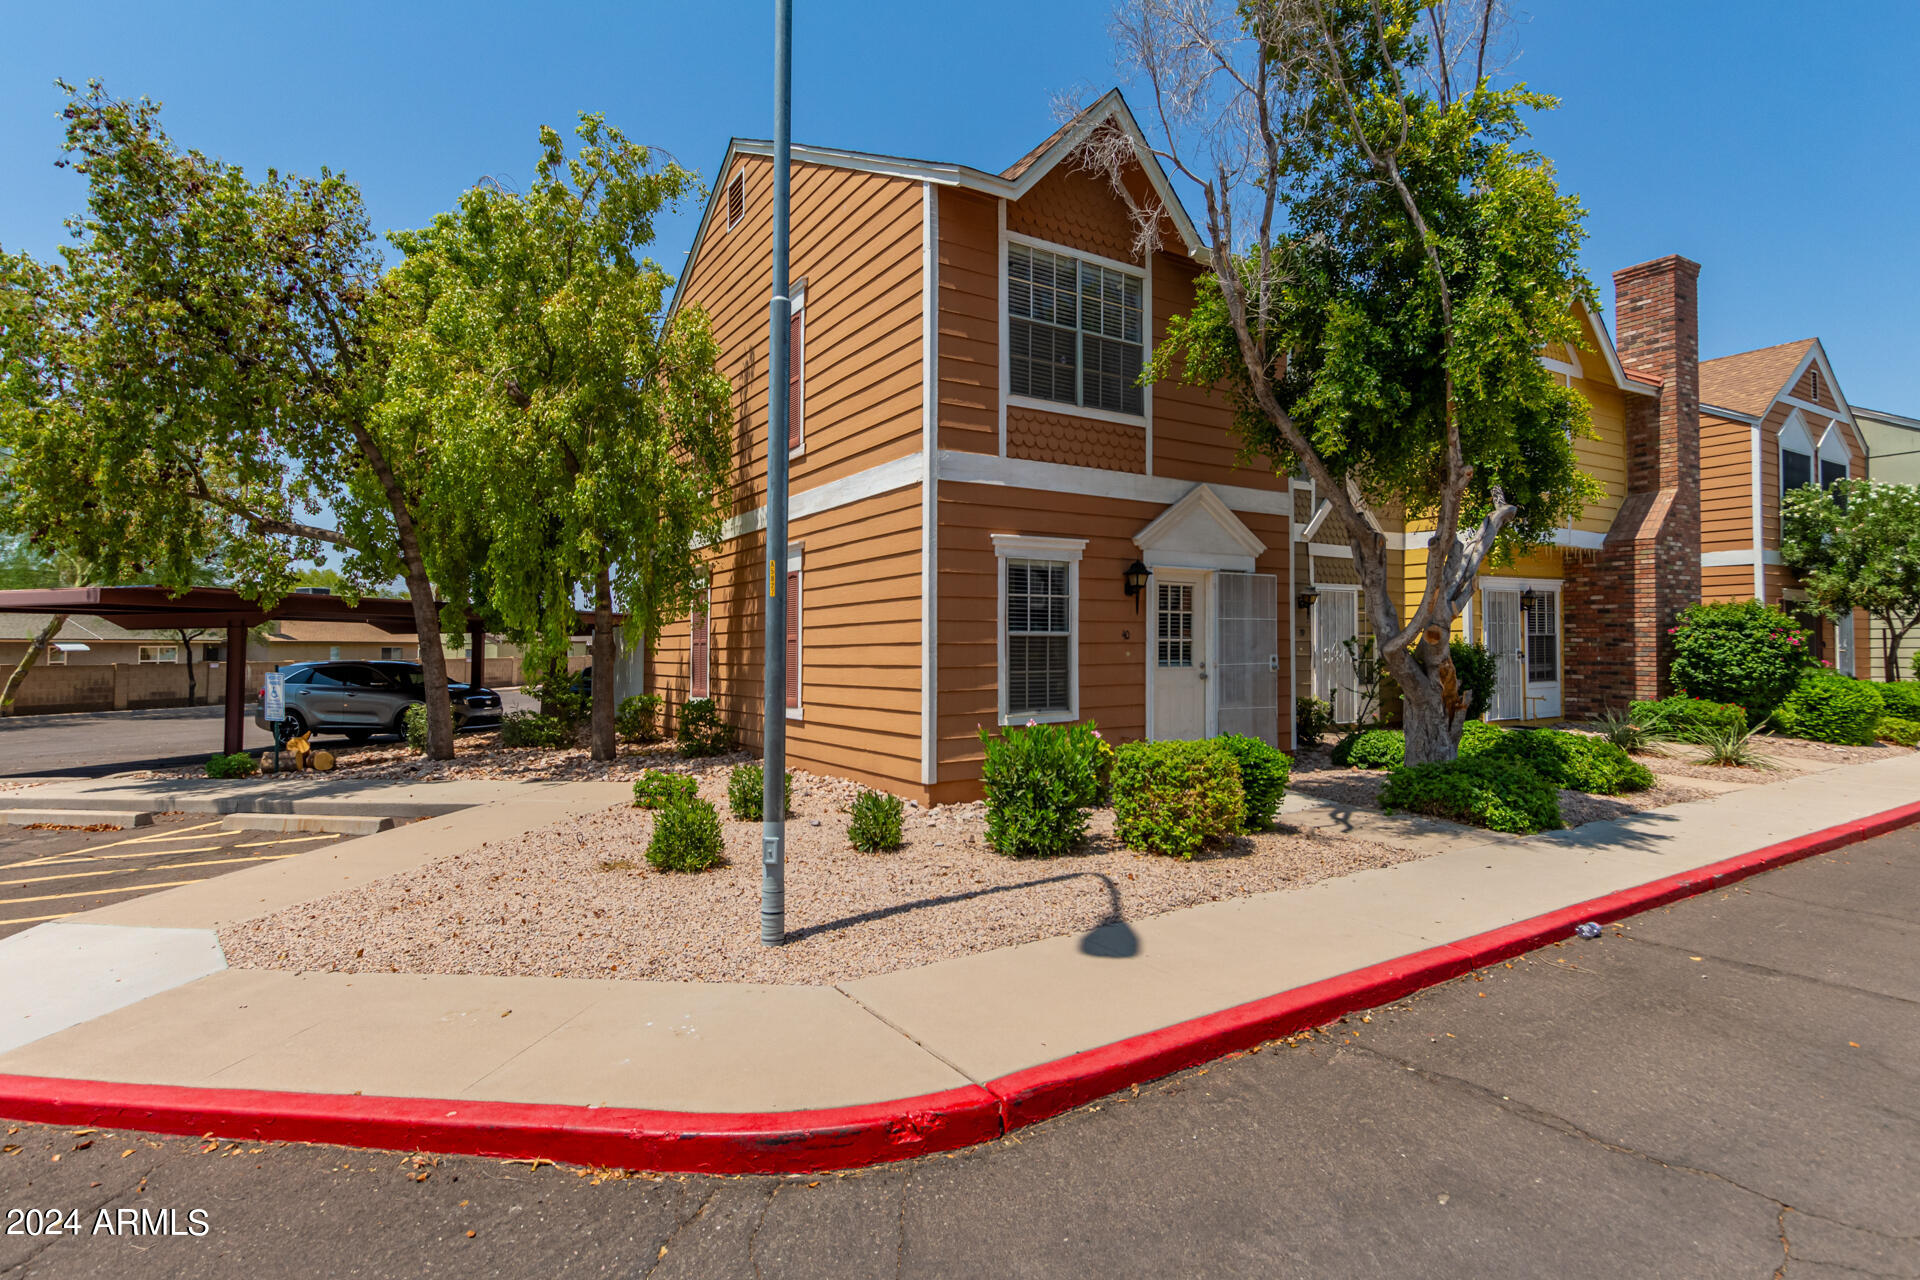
x=1336 y=619
x=1504 y=641
x=1249 y=670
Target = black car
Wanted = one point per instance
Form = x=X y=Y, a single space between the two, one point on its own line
x=360 y=699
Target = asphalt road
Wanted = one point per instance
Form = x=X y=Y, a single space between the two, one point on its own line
x=51 y=874
x=1725 y=1087
x=92 y=744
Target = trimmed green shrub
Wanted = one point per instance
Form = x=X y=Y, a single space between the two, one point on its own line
x=531 y=729
x=1474 y=667
x=1264 y=771
x=1593 y=765
x=237 y=764
x=1371 y=749
x=876 y=822
x=746 y=787
x=701 y=731
x=1902 y=699
x=1477 y=735
x=1040 y=781
x=1496 y=794
x=559 y=700
x=1312 y=720
x=1176 y=797
x=1898 y=729
x=656 y=788
x=415 y=718
x=686 y=837
x=1684 y=718
x=1747 y=653
x=637 y=718
x=1829 y=707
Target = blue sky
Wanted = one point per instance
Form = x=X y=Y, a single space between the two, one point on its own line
x=1774 y=143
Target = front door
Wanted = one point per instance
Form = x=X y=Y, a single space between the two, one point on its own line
x=1504 y=640
x=1543 y=655
x=1336 y=620
x=1179 y=654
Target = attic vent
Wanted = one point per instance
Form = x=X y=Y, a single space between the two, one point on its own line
x=736 y=200
x=1813 y=383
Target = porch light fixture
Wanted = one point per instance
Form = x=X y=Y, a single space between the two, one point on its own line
x=1306 y=598
x=1527 y=598
x=1136 y=579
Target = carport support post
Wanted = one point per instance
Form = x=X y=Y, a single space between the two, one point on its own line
x=477 y=654
x=236 y=686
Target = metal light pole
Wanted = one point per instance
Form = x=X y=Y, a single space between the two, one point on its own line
x=773 y=749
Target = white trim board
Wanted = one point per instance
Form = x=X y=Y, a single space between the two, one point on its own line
x=897 y=473
x=1052 y=477
x=929 y=486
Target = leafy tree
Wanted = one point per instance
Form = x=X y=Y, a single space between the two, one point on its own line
x=585 y=438
x=23 y=568
x=193 y=382
x=1388 y=262
x=1857 y=546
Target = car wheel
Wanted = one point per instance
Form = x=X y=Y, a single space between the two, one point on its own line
x=296 y=724
x=359 y=737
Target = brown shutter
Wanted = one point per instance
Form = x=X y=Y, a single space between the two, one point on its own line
x=697 y=653
x=793 y=638
x=796 y=394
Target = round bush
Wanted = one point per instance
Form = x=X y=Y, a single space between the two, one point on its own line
x=1371 y=749
x=1902 y=699
x=876 y=823
x=1573 y=760
x=1495 y=794
x=1898 y=729
x=1264 y=771
x=746 y=792
x=1477 y=671
x=637 y=718
x=415 y=717
x=1748 y=653
x=1040 y=781
x=1176 y=797
x=237 y=764
x=656 y=788
x=701 y=731
x=1829 y=707
x=531 y=729
x=1477 y=735
x=686 y=837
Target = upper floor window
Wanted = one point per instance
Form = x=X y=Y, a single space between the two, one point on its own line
x=1796 y=469
x=1076 y=331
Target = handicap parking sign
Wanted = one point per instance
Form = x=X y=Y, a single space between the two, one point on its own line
x=276 y=696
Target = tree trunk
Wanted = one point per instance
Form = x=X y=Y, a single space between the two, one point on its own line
x=27 y=659
x=186 y=643
x=1432 y=708
x=601 y=731
x=433 y=660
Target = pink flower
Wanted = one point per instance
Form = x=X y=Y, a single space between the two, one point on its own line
x=1793 y=640
x=1033 y=724
x=1096 y=733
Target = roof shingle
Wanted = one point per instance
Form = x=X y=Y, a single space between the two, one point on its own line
x=1748 y=382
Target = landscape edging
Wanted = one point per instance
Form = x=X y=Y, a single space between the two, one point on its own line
x=872 y=1133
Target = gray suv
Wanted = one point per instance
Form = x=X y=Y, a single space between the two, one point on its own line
x=360 y=699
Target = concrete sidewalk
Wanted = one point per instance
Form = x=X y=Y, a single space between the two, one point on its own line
x=720 y=1050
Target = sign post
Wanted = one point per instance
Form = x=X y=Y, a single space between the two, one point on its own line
x=273 y=705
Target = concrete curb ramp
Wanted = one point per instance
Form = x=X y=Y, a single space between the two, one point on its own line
x=811 y=1140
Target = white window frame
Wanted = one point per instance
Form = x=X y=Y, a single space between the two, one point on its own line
x=171 y=650
x=1832 y=448
x=56 y=656
x=796 y=567
x=797 y=307
x=1009 y=546
x=1795 y=425
x=1007 y=399
x=708 y=695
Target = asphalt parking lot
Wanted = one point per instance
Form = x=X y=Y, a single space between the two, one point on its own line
x=50 y=874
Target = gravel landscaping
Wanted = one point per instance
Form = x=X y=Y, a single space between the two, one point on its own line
x=579 y=900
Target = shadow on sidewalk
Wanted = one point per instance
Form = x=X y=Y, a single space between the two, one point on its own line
x=1112 y=938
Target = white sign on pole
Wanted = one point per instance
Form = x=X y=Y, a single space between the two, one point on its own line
x=276 y=696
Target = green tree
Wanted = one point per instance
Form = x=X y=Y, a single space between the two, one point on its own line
x=585 y=440
x=1389 y=260
x=1857 y=546
x=195 y=383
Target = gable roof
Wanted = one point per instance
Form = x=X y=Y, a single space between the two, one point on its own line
x=1749 y=383
x=1011 y=184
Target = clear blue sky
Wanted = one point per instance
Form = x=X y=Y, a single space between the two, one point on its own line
x=1775 y=143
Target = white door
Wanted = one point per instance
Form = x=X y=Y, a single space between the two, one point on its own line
x=1247 y=676
x=1543 y=655
x=1336 y=619
x=1502 y=636
x=1179 y=654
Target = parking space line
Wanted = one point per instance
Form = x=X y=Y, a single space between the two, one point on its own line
x=86 y=855
x=39 y=919
x=94 y=893
x=169 y=866
x=319 y=835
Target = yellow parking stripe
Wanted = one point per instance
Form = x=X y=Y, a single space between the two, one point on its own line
x=38 y=919
x=67 y=859
x=319 y=835
x=170 y=866
x=94 y=893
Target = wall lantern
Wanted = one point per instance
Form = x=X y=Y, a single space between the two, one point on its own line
x=1527 y=598
x=1306 y=598
x=1136 y=579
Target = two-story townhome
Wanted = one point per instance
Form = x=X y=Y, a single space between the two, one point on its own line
x=1892 y=445
x=991 y=522
x=1770 y=421
x=1573 y=626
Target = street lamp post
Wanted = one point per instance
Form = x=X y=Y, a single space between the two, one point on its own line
x=773 y=749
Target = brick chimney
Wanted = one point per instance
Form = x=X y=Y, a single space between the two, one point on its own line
x=1621 y=602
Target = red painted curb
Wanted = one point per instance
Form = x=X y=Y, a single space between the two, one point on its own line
x=847 y=1137
x=673 y=1141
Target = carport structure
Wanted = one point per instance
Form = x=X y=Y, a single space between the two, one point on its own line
x=217 y=608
